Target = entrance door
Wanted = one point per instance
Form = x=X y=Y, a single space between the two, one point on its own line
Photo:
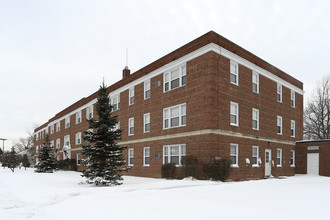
x=313 y=163
x=268 y=162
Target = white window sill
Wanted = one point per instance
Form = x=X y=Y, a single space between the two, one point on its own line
x=234 y=166
x=279 y=133
x=175 y=127
x=145 y=132
x=236 y=84
x=292 y=166
x=278 y=165
x=236 y=125
x=173 y=89
x=255 y=165
x=146 y=165
x=255 y=129
x=131 y=135
x=131 y=165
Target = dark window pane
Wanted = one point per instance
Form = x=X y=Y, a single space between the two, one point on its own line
x=175 y=160
x=233 y=78
x=175 y=83
x=233 y=159
x=183 y=120
x=174 y=122
x=233 y=119
x=166 y=86
x=184 y=80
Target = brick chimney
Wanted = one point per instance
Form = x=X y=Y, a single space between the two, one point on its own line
x=126 y=72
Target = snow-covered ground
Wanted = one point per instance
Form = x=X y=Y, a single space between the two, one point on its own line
x=29 y=195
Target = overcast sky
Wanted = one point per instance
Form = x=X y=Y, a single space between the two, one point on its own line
x=53 y=53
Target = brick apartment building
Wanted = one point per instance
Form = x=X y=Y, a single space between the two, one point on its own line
x=209 y=98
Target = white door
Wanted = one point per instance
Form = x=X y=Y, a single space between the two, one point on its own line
x=268 y=162
x=313 y=163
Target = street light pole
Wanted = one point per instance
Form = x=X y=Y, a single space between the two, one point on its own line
x=3 y=143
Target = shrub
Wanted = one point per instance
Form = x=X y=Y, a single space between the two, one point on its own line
x=190 y=166
x=218 y=169
x=168 y=171
x=67 y=164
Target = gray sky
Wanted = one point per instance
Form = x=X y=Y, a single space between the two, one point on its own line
x=53 y=53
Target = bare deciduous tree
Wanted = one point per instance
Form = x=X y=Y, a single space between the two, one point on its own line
x=317 y=112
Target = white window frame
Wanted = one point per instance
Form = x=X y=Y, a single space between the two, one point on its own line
x=146 y=121
x=255 y=156
x=78 y=159
x=78 y=138
x=182 y=115
x=130 y=125
x=67 y=122
x=279 y=93
x=147 y=91
x=234 y=155
x=146 y=154
x=130 y=156
x=52 y=129
x=168 y=78
x=115 y=102
x=131 y=96
x=65 y=142
x=255 y=80
x=255 y=117
x=293 y=99
x=234 y=105
x=293 y=128
x=167 y=153
x=58 y=143
x=279 y=123
x=233 y=72
x=78 y=117
x=89 y=112
x=292 y=158
x=279 y=157
x=52 y=144
x=58 y=126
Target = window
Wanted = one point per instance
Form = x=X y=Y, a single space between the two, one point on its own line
x=174 y=154
x=67 y=140
x=175 y=78
x=293 y=99
x=279 y=92
x=78 y=159
x=115 y=102
x=52 y=129
x=147 y=89
x=89 y=112
x=293 y=128
x=52 y=144
x=78 y=138
x=279 y=125
x=146 y=156
x=67 y=122
x=131 y=126
x=234 y=155
x=37 y=136
x=292 y=158
x=233 y=113
x=233 y=72
x=58 y=126
x=117 y=126
x=131 y=157
x=131 y=96
x=174 y=116
x=78 y=117
x=255 y=82
x=255 y=119
x=58 y=143
x=255 y=156
x=146 y=123
x=279 y=157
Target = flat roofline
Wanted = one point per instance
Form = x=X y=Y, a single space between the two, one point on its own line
x=311 y=141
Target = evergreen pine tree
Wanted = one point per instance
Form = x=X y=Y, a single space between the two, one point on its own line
x=47 y=162
x=12 y=160
x=25 y=161
x=103 y=156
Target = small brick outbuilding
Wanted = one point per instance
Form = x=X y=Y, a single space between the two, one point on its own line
x=313 y=157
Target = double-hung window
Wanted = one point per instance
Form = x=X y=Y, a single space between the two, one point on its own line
x=255 y=119
x=279 y=157
x=58 y=126
x=67 y=140
x=174 y=116
x=115 y=102
x=78 y=117
x=174 y=154
x=234 y=72
x=146 y=123
x=67 y=122
x=52 y=129
x=78 y=138
x=279 y=92
x=131 y=157
x=233 y=113
x=293 y=128
x=175 y=78
x=78 y=160
x=255 y=82
x=89 y=112
x=131 y=126
x=147 y=89
x=292 y=158
x=293 y=99
x=255 y=156
x=234 y=155
x=58 y=143
x=52 y=144
x=131 y=96
x=279 y=125
x=146 y=156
